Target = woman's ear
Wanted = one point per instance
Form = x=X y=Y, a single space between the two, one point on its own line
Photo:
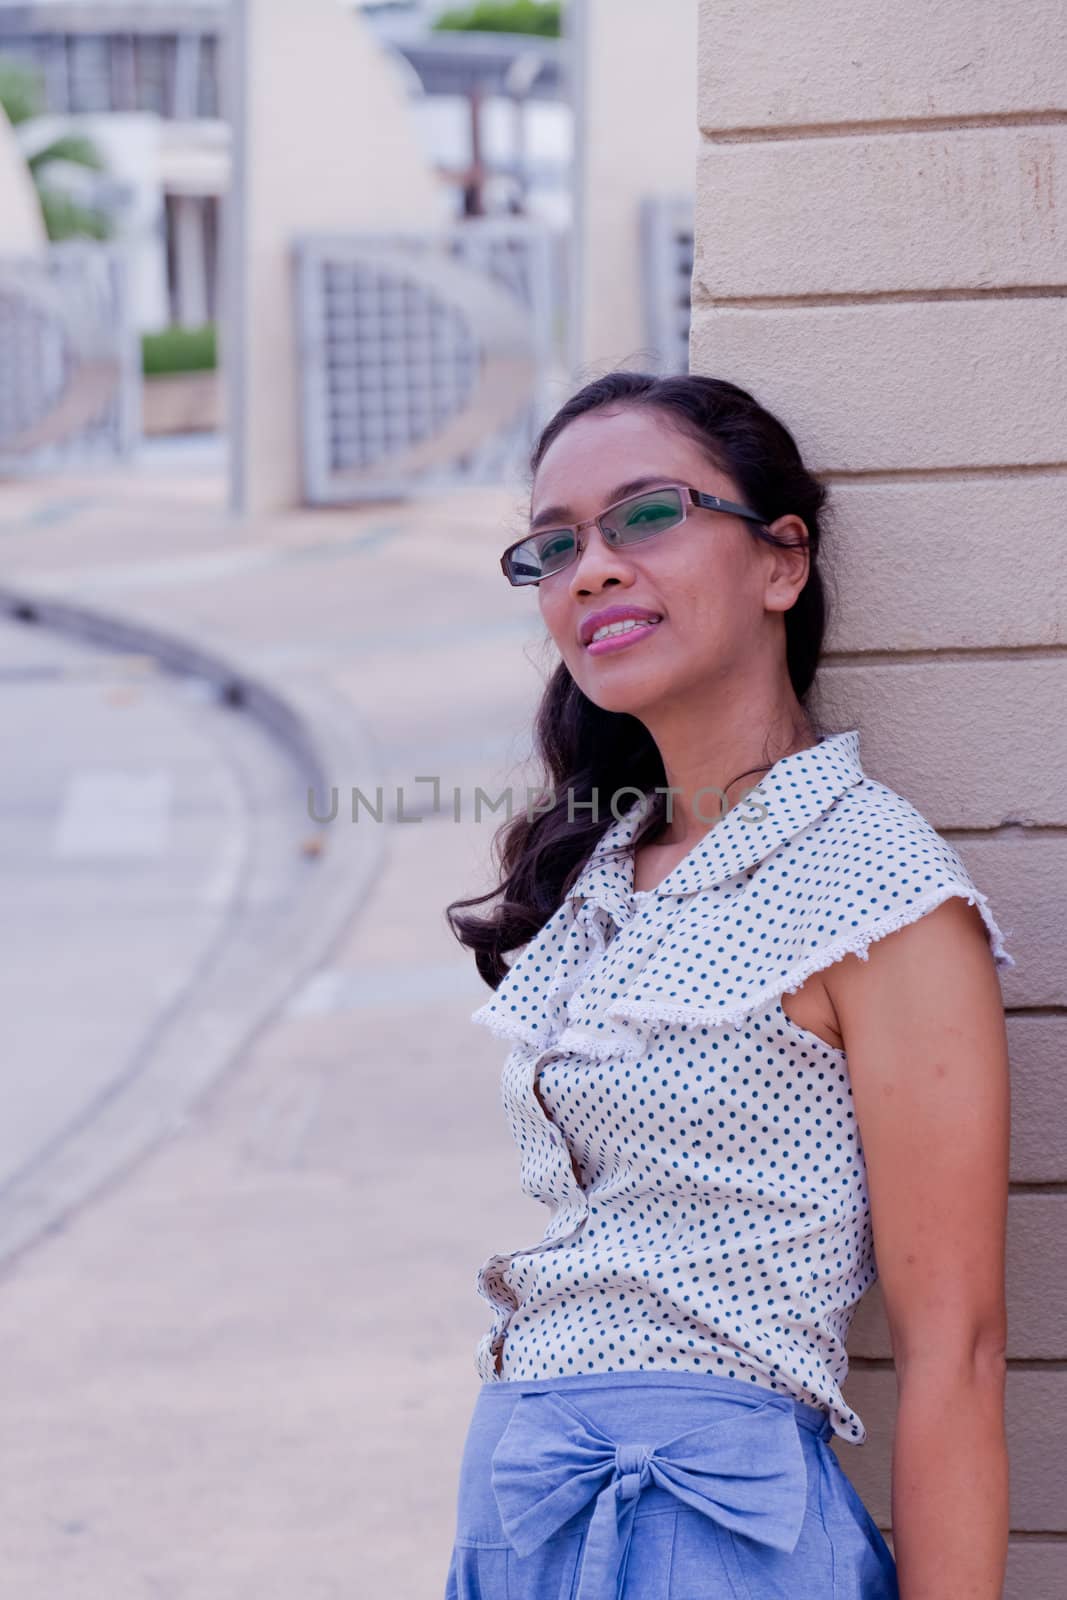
x=790 y=563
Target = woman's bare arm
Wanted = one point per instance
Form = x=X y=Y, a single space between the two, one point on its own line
x=923 y=1024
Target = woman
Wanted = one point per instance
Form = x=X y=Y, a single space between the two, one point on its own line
x=756 y=1033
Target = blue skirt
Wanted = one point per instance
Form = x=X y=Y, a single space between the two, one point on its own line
x=653 y=1485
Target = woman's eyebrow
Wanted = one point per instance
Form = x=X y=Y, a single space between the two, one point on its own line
x=557 y=516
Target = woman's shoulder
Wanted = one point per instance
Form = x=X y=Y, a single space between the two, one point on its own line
x=876 y=853
x=873 y=827
x=872 y=822
x=866 y=866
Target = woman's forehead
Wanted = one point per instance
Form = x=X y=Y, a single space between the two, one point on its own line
x=594 y=454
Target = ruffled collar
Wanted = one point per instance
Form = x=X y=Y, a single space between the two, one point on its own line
x=798 y=789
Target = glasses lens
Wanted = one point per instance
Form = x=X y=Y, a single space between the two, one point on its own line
x=644 y=514
x=540 y=555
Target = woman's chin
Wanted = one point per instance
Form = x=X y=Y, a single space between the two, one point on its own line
x=630 y=696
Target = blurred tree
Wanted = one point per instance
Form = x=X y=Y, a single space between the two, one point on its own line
x=22 y=97
x=506 y=16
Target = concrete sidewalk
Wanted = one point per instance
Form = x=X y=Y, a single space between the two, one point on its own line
x=245 y=1368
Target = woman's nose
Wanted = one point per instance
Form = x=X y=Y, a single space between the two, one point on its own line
x=596 y=561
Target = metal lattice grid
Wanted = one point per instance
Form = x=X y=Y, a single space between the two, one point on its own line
x=398 y=364
x=424 y=356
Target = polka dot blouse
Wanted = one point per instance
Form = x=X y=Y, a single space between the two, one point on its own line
x=698 y=1152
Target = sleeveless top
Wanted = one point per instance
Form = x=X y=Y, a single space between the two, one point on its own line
x=698 y=1151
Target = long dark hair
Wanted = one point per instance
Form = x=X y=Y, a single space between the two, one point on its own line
x=583 y=748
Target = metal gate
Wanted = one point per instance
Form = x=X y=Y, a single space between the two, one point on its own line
x=424 y=357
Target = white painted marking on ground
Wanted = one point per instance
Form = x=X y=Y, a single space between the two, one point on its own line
x=110 y=814
x=318 y=997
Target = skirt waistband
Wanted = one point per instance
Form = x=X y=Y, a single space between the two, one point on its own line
x=810 y=1417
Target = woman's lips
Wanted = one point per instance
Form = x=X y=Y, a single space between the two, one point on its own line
x=619 y=641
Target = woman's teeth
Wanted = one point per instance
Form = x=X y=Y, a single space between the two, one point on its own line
x=623 y=627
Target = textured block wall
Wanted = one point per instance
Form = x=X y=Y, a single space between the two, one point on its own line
x=881 y=256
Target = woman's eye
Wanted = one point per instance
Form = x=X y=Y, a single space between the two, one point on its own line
x=557 y=546
x=659 y=513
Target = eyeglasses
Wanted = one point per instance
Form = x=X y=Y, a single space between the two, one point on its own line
x=625 y=522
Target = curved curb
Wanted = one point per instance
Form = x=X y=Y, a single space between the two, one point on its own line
x=180 y=655
x=217 y=1019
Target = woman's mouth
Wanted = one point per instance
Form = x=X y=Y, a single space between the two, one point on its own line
x=619 y=635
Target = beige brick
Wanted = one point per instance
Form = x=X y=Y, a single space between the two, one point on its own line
x=951 y=758
x=1036 y=1281
x=946 y=564
x=835 y=61
x=1034 y=1410
x=969 y=209
x=1037 y=1570
x=971 y=383
x=1025 y=877
x=1038 y=1050
x=974 y=743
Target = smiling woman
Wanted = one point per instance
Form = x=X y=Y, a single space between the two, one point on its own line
x=722 y=1099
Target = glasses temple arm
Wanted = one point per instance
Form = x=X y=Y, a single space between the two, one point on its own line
x=712 y=502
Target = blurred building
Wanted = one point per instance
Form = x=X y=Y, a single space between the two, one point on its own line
x=146 y=79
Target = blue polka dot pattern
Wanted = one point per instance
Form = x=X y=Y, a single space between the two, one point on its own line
x=698 y=1150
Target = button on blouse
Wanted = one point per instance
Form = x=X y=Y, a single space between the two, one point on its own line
x=697 y=1151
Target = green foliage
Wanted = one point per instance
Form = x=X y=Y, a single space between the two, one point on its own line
x=21 y=92
x=73 y=147
x=22 y=97
x=179 y=350
x=506 y=16
x=64 y=218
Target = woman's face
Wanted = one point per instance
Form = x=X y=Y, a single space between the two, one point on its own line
x=715 y=588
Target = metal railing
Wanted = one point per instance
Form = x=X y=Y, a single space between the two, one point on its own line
x=666 y=278
x=70 y=369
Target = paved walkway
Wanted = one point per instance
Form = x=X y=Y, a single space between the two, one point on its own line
x=243 y=1368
